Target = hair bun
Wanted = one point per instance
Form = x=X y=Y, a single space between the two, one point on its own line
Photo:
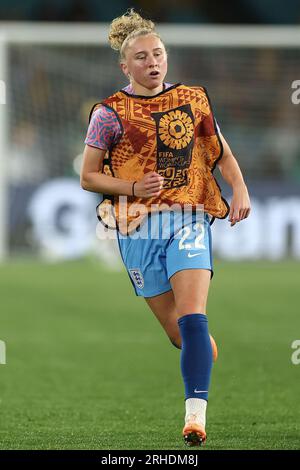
x=126 y=24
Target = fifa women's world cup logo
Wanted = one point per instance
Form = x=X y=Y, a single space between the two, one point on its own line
x=175 y=139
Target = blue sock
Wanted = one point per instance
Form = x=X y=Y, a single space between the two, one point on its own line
x=196 y=355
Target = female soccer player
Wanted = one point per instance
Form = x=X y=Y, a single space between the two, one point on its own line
x=150 y=147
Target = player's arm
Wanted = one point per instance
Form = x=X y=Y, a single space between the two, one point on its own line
x=92 y=178
x=230 y=171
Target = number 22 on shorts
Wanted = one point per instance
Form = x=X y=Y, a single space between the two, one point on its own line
x=198 y=241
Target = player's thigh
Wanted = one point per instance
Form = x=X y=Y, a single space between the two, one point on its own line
x=190 y=288
x=164 y=308
x=190 y=266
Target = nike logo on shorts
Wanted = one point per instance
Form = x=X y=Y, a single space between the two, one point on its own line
x=192 y=255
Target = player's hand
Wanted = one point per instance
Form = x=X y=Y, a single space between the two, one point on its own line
x=150 y=186
x=240 y=205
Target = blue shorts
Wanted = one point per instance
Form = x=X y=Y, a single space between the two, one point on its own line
x=165 y=244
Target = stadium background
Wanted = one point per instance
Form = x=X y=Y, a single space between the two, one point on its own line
x=82 y=353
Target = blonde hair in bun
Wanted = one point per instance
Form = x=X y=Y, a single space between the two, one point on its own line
x=126 y=27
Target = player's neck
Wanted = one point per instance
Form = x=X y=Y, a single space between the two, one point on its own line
x=142 y=91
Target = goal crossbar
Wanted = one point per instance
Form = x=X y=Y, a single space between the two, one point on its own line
x=173 y=34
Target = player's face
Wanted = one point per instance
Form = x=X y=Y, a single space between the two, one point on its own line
x=146 y=64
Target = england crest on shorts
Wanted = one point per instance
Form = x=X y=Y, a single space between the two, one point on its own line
x=137 y=277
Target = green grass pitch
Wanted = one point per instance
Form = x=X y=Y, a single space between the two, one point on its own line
x=89 y=367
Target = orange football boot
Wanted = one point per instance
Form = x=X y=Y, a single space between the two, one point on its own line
x=193 y=432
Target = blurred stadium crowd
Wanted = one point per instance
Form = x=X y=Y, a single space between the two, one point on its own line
x=250 y=88
x=51 y=89
x=203 y=11
x=251 y=98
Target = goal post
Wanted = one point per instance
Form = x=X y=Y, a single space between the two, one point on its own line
x=3 y=149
